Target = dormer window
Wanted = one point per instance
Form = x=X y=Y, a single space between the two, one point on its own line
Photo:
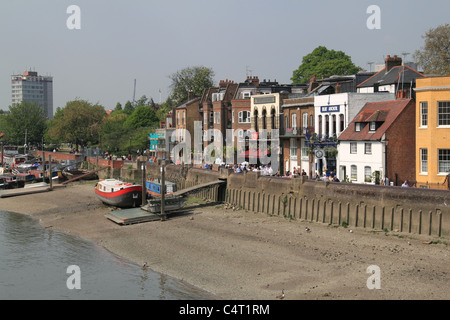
x=357 y=126
x=372 y=126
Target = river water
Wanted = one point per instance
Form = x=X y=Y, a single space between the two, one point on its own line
x=34 y=264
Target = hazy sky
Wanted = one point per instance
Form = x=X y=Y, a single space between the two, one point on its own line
x=120 y=41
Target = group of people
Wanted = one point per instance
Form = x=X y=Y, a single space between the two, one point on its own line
x=265 y=170
x=295 y=173
x=327 y=176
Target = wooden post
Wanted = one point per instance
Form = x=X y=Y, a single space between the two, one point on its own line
x=50 y=170
x=144 y=185
x=163 y=189
x=43 y=165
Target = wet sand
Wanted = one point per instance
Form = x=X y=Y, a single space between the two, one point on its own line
x=235 y=254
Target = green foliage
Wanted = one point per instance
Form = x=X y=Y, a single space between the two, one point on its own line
x=323 y=63
x=78 y=123
x=434 y=57
x=128 y=108
x=191 y=79
x=142 y=116
x=23 y=116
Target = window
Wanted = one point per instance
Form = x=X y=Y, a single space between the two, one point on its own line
x=372 y=126
x=293 y=149
x=353 y=172
x=294 y=120
x=243 y=134
x=320 y=125
x=353 y=147
x=232 y=117
x=444 y=113
x=244 y=117
x=444 y=160
x=367 y=174
x=423 y=160
x=304 y=150
x=367 y=148
x=358 y=126
x=424 y=114
x=305 y=122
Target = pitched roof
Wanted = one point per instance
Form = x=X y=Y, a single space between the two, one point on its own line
x=187 y=103
x=392 y=76
x=383 y=112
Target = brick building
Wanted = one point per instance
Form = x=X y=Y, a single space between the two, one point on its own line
x=298 y=115
x=380 y=141
x=185 y=116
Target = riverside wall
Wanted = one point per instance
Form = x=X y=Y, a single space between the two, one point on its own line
x=408 y=210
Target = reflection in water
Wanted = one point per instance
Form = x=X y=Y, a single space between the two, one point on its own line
x=34 y=261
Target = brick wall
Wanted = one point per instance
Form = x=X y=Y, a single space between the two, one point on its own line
x=401 y=157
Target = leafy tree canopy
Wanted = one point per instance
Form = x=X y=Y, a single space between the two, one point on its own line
x=191 y=79
x=323 y=63
x=434 y=56
x=23 y=117
x=79 y=122
x=142 y=116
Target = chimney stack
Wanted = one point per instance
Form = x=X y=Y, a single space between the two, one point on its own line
x=391 y=62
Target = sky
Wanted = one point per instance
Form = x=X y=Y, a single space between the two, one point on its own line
x=120 y=42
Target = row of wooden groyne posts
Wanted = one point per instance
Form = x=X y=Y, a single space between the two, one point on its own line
x=408 y=210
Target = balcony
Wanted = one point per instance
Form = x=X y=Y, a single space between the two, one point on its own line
x=292 y=132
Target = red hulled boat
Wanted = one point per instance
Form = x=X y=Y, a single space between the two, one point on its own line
x=118 y=193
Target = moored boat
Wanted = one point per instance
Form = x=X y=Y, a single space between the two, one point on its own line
x=153 y=187
x=118 y=193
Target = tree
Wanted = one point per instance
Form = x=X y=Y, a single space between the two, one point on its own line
x=79 y=122
x=118 y=107
x=128 y=108
x=142 y=116
x=434 y=57
x=113 y=132
x=191 y=79
x=323 y=63
x=24 y=117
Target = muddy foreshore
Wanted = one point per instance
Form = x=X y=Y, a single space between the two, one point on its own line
x=235 y=254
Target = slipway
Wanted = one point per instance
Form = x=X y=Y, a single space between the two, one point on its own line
x=131 y=216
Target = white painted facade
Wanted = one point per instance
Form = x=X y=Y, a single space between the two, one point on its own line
x=362 y=162
x=333 y=113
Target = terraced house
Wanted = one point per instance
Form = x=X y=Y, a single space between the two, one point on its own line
x=433 y=132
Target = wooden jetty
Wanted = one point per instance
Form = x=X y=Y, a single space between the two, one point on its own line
x=146 y=213
x=196 y=188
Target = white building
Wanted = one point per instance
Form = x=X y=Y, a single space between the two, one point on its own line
x=333 y=113
x=31 y=87
x=363 y=154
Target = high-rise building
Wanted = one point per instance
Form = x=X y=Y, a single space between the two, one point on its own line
x=31 y=87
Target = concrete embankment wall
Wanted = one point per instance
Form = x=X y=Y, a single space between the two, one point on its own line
x=409 y=210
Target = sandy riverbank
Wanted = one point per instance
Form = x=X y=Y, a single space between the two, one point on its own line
x=244 y=255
